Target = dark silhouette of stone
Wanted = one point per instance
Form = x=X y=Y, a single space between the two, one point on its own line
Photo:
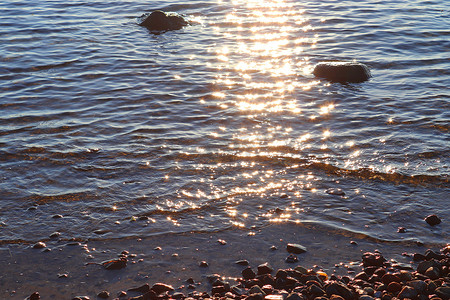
x=34 y=296
x=342 y=71
x=433 y=220
x=159 y=21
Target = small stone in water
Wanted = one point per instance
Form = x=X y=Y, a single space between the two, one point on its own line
x=433 y=220
x=115 y=264
x=39 y=245
x=55 y=234
x=35 y=296
x=242 y=262
x=222 y=242
x=64 y=275
x=57 y=216
x=401 y=230
x=353 y=243
x=103 y=294
x=160 y=288
x=295 y=248
x=337 y=192
x=203 y=264
x=273 y=248
x=291 y=258
x=248 y=273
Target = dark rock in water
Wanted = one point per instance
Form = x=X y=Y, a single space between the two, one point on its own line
x=160 y=288
x=203 y=264
x=115 y=264
x=39 y=245
x=295 y=248
x=160 y=21
x=407 y=292
x=80 y=298
x=248 y=273
x=373 y=259
x=401 y=229
x=103 y=294
x=335 y=288
x=35 y=296
x=342 y=71
x=291 y=259
x=433 y=220
x=264 y=269
x=337 y=192
x=54 y=235
x=242 y=262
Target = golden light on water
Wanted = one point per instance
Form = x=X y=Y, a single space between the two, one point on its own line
x=262 y=72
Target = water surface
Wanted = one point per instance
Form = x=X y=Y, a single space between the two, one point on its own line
x=221 y=126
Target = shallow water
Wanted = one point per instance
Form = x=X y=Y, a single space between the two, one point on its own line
x=213 y=127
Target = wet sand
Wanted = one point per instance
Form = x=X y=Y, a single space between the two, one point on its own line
x=67 y=270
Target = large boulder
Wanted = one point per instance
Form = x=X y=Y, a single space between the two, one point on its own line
x=338 y=71
x=159 y=21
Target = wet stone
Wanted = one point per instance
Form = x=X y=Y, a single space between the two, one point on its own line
x=242 y=262
x=443 y=292
x=115 y=264
x=103 y=294
x=203 y=264
x=160 y=288
x=264 y=269
x=222 y=242
x=334 y=191
x=54 y=235
x=294 y=296
x=373 y=259
x=340 y=290
x=291 y=259
x=401 y=230
x=419 y=285
x=248 y=273
x=433 y=220
x=295 y=248
x=407 y=292
x=34 y=296
x=57 y=216
x=39 y=245
x=394 y=287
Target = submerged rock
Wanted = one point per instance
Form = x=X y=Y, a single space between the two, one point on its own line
x=342 y=71
x=161 y=21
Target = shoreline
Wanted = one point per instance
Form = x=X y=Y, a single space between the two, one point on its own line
x=65 y=269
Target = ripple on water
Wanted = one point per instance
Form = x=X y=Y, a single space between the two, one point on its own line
x=218 y=125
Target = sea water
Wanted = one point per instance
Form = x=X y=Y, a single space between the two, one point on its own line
x=109 y=131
